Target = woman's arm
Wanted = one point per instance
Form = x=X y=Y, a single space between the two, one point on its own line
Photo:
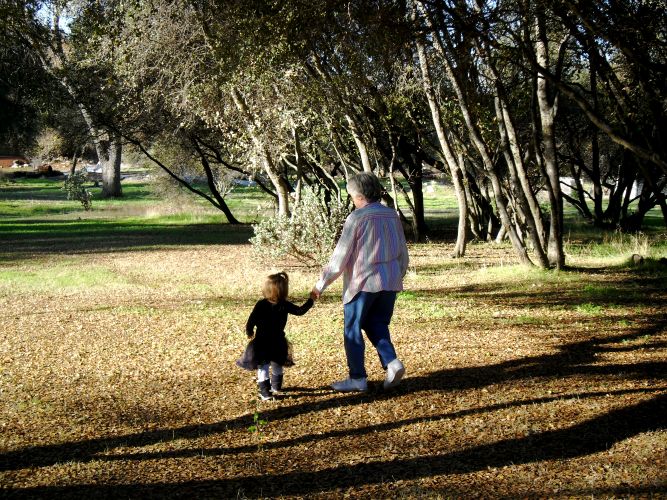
x=340 y=256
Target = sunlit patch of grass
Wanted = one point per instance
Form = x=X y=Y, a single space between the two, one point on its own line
x=520 y=277
x=186 y=218
x=407 y=296
x=589 y=309
x=316 y=332
x=11 y=209
x=423 y=306
x=525 y=319
x=511 y=273
x=138 y=309
x=636 y=340
x=615 y=248
x=196 y=290
x=606 y=293
x=61 y=276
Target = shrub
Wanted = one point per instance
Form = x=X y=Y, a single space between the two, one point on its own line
x=76 y=190
x=50 y=144
x=308 y=235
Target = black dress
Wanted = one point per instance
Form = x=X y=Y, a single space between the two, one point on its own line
x=267 y=322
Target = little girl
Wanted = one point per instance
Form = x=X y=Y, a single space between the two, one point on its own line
x=269 y=317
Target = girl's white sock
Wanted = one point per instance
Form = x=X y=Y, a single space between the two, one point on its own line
x=262 y=373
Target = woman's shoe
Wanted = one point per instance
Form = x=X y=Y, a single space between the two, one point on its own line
x=351 y=385
x=395 y=372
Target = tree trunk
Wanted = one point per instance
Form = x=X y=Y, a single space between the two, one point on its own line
x=75 y=160
x=526 y=202
x=278 y=181
x=361 y=145
x=111 y=169
x=219 y=199
x=450 y=159
x=478 y=141
x=109 y=153
x=548 y=106
x=595 y=146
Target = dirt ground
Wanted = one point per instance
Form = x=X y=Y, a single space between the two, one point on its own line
x=118 y=380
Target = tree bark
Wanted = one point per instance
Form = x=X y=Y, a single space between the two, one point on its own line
x=218 y=203
x=526 y=201
x=278 y=181
x=361 y=145
x=548 y=106
x=111 y=187
x=478 y=141
x=450 y=159
x=221 y=204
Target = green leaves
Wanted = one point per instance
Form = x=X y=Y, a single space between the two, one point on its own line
x=75 y=189
x=308 y=235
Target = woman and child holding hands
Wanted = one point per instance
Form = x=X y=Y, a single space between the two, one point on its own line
x=372 y=256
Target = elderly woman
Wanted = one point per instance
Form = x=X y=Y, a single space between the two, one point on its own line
x=372 y=256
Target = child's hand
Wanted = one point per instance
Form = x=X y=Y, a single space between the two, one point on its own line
x=315 y=294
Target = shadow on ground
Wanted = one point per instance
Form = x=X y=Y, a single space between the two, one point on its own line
x=584 y=438
x=84 y=236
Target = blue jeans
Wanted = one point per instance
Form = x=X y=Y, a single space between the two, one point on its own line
x=370 y=311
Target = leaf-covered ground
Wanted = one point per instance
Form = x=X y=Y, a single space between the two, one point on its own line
x=117 y=379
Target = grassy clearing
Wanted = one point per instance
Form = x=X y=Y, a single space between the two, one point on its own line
x=117 y=376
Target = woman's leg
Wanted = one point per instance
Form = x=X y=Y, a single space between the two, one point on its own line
x=376 y=325
x=354 y=313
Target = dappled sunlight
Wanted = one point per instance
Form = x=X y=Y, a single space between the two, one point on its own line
x=117 y=364
x=512 y=378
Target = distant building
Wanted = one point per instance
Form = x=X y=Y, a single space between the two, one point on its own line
x=12 y=161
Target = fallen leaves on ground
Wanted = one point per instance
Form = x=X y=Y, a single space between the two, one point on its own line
x=126 y=385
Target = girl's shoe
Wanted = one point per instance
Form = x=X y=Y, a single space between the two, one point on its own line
x=264 y=390
x=276 y=383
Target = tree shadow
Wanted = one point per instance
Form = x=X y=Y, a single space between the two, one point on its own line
x=591 y=436
x=576 y=358
x=630 y=290
x=48 y=236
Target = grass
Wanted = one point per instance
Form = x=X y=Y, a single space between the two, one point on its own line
x=61 y=276
x=122 y=326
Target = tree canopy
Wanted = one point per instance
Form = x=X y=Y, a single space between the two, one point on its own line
x=523 y=105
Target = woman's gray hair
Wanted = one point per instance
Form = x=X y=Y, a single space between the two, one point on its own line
x=367 y=185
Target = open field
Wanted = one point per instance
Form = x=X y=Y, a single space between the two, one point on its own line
x=120 y=327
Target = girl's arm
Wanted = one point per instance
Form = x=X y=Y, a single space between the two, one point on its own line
x=299 y=310
x=252 y=321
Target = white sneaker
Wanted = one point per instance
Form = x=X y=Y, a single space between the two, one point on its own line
x=351 y=385
x=395 y=372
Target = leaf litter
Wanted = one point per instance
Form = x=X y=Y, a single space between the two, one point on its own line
x=128 y=388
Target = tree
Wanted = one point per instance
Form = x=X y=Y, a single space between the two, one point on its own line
x=24 y=86
x=38 y=26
